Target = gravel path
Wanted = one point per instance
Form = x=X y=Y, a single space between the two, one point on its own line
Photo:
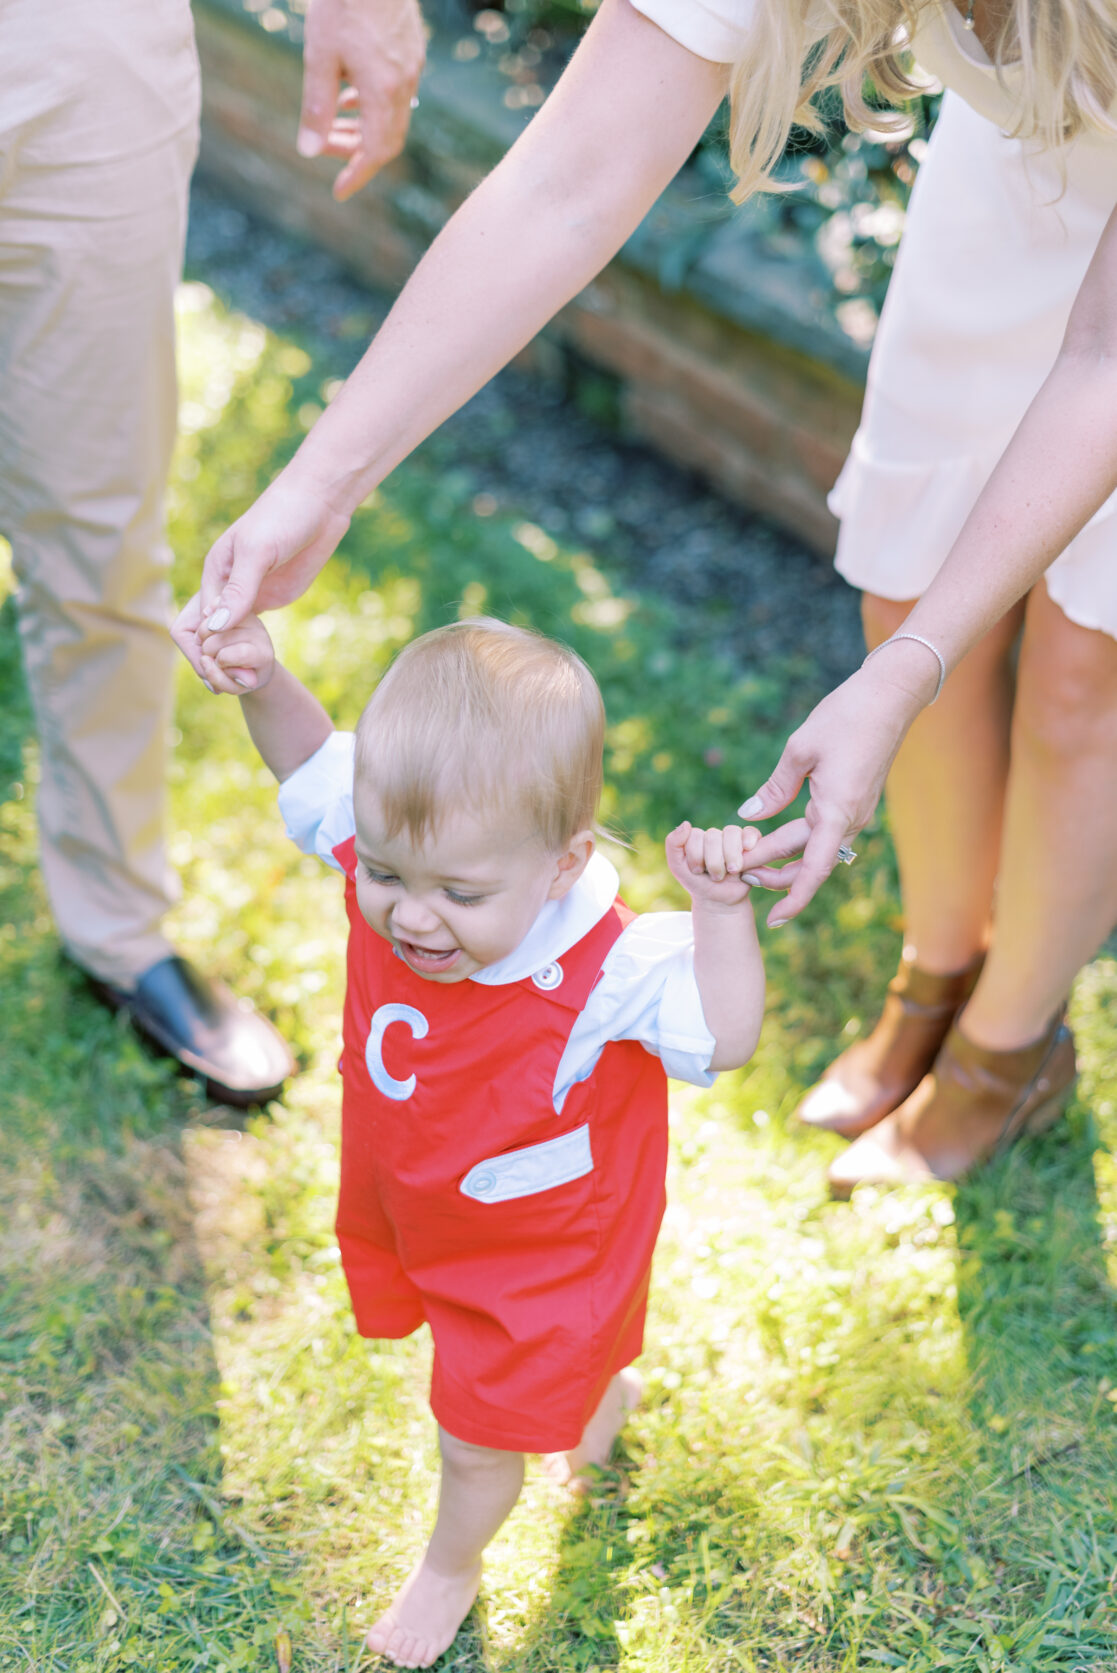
x=759 y=593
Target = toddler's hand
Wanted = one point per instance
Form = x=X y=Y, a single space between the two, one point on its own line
x=708 y=864
x=238 y=659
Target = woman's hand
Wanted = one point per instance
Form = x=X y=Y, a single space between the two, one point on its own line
x=844 y=749
x=264 y=560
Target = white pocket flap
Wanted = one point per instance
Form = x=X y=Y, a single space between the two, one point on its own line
x=539 y=1167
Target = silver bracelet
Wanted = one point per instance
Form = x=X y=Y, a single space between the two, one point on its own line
x=919 y=639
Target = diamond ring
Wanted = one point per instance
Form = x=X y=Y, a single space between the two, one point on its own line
x=846 y=854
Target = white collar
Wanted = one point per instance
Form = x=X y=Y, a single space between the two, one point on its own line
x=559 y=926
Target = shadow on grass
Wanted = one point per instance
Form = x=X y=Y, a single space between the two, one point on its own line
x=114 y=1544
x=1039 y=1319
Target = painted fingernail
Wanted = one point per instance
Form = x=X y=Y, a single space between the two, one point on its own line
x=750 y=809
x=751 y=879
x=249 y=685
x=309 y=144
x=208 y=686
x=218 y=620
x=777 y=923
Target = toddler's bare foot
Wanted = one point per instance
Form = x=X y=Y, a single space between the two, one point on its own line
x=596 y=1446
x=423 y=1618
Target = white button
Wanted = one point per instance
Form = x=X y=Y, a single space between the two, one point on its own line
x=549 y=977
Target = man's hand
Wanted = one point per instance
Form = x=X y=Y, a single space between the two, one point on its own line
x=362 y=60
x=709 y=864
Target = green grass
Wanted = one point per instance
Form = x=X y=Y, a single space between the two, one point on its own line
x=878 y=1435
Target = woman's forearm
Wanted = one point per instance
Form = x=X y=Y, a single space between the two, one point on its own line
x=624 y=117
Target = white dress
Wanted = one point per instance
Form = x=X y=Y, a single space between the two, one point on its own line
x=997 y=243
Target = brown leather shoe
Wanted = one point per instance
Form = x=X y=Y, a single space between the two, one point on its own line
x=973 y=1103
x=875 y=1074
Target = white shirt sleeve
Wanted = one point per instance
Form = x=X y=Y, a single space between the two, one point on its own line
x=714 y=29
x=316 y=802
x=647 y=992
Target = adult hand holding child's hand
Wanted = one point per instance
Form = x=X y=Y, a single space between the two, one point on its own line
x=235 y=661
x=843 y=750
x=267 y=558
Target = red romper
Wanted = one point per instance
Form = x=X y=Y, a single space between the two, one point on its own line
x=534 y=1283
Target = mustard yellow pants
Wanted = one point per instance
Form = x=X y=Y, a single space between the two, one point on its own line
x=98 y=134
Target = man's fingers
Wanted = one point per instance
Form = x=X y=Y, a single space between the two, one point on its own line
x=321 y=86
x=374 y=148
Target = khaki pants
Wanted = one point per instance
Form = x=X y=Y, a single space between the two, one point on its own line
x=98 y=134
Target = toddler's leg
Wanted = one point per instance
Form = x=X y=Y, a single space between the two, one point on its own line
x=479 y=1488
x=596 y=1445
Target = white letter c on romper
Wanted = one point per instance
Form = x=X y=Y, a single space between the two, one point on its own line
x=400 y=1090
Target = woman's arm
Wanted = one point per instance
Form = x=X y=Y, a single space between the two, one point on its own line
x=1060 y=466
x=626 y=114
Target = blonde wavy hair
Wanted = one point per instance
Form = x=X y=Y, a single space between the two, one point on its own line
x=1064 y=51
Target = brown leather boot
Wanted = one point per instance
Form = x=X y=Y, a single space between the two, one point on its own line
x=973 y=1103
x=875 y=1074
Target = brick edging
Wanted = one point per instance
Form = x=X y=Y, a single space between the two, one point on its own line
x=739 y=373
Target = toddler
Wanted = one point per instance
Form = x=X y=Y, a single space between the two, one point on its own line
x=509 y=1029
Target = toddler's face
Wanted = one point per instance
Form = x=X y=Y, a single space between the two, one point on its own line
x=462 y=901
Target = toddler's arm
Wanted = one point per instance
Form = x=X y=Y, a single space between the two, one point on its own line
x=285 y=722
x=727 y=963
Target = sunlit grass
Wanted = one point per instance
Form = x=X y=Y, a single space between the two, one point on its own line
x=877 y=1435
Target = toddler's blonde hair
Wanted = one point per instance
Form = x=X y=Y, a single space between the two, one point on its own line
x=1063 y=51
x=489 y=717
